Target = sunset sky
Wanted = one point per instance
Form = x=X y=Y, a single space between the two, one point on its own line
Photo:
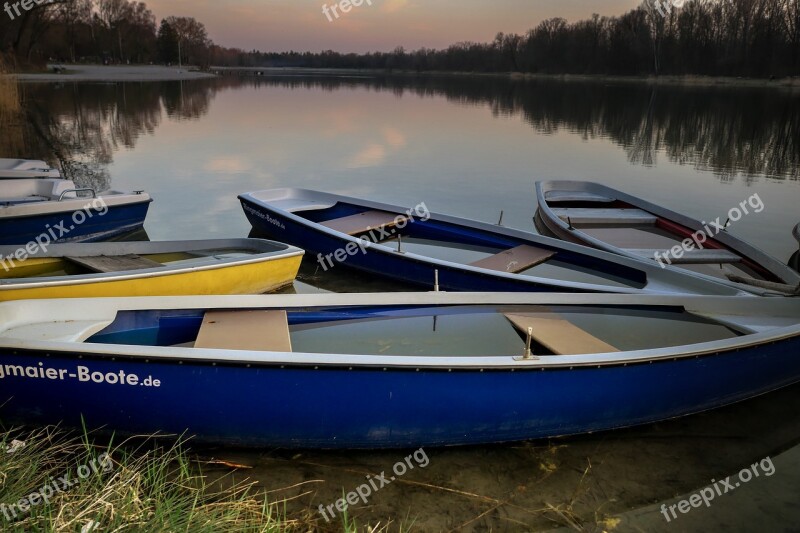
x=278 y=25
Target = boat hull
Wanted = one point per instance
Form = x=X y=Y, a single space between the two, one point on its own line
x=423 y=271
x=304 y=407
x=61 y=226
x=269 y=267
x=682 y=227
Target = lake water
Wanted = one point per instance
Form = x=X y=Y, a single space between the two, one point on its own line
x=472 y=148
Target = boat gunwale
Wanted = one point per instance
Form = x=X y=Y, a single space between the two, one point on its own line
x=318 y=360
x=652 y=273
x=110 y=199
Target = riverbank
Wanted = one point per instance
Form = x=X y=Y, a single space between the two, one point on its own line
x=115 y=73
x=119 y=73
x=689 y=80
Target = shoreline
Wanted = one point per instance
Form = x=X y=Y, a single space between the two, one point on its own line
x=145 y=73
x=692 y=80
x=114 y=73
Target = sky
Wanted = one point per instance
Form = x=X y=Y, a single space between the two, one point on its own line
x=301 y=25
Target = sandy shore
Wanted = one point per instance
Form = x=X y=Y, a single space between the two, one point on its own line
x=117 y=73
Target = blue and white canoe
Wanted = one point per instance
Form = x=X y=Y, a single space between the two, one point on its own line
x=595 y=215
x=45 y=210
x=388 y=370
x=426 y=249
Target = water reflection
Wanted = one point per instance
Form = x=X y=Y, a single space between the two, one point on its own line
x=730 y=131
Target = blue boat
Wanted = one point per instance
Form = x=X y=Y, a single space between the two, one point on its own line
x=41 y=211
x=388 y=370
x=427 y=249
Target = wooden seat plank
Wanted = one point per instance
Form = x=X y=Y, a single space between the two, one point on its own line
x=558 y=335
x=690 y=257
x=603 y=216
x=363 y=222
x=576 y=196
x=516 y=259
x=262 y=331
x=114 y=263
x=631 y=237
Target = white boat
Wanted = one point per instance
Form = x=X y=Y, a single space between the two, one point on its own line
x=594 y=215
x=51 y=209
x=26 y=169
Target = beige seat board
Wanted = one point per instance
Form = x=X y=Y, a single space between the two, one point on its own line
x=559 y=335
x=114 y=263
x=262 y=331
x=363 y=222
x=602 y=216
x=690 y=257
x=631 y=238
x=516 y=259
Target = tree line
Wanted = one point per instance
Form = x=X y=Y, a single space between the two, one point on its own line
x=107 y=31
x=759 y=38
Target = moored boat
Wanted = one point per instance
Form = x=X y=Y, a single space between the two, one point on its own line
x=428 y=249
x=26 y=169
x=794 y=262
x=388 y=370
x=46 y=210
x=168 y=268
x=595 y=215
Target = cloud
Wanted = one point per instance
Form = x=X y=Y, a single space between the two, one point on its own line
x=394 y=137
x=393 y=6
x=372 y=156
x=228 y=165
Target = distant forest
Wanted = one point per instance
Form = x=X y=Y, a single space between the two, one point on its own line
x=754 y=38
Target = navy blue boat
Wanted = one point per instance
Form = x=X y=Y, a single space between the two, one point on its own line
x=46 y=210
x=388 y=370
x=427 y=249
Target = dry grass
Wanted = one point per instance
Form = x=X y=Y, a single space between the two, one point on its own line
x=144 y=487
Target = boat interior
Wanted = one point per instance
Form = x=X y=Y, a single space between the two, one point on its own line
x=458 y=330
x=645 y=234
x=465 y=245
x=78 y=265
x=26 y=191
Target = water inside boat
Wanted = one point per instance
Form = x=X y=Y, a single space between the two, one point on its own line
x=465 y=331
x=471 y=246
x=47 y=267
x=627 y=227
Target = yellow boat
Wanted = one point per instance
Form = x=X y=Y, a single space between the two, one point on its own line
x=168 y=268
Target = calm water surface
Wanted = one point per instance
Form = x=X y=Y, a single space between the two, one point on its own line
x=470 y=148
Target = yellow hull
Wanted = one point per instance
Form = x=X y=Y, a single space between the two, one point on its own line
x=252 y=278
